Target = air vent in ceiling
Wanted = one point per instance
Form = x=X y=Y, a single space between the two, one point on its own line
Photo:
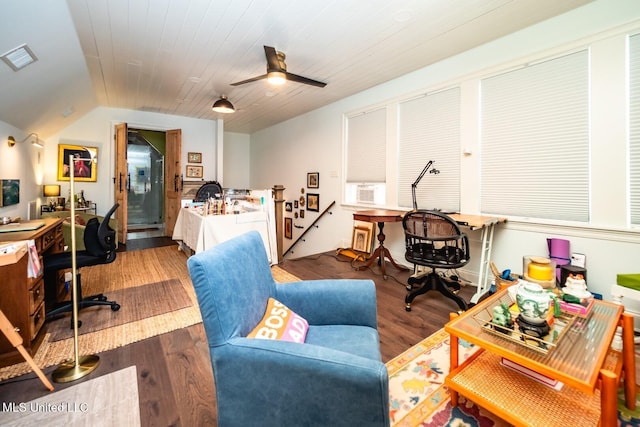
x=19 y=57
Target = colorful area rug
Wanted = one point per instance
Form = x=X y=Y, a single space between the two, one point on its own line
x=418 y=397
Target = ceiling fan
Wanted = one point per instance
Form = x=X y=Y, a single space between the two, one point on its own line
x=277 y=71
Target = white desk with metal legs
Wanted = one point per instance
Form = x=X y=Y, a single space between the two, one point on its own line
x=487 y=226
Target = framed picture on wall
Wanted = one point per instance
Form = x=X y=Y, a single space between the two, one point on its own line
x=85 y=162
x=194 y=157
x=313 y=202
x=313 y=180
x=194 y=171
x=288 y=228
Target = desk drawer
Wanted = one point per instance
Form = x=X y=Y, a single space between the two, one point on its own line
x=36 y=295
x=36 y=320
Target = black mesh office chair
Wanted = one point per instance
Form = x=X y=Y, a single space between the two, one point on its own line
x=100 y=248
x=434 y=240
x=208 y=189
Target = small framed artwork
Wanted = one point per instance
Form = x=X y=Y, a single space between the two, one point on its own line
x=313 y=202
x=194 y=171
x=194 y=157
x=301 y=213
x=288 y=206
x=362 y=238
x=288 y=228
x=313 y=180
x=85 y=163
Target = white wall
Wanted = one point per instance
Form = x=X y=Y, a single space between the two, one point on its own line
x=96 y=129
x=236 y=161
x=284 y=153
x=23 y=161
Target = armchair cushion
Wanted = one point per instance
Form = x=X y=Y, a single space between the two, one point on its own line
x=335 y=378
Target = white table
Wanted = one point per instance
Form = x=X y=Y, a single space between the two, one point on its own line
x=200 y=232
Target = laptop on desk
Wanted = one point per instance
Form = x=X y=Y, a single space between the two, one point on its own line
x=21 y=226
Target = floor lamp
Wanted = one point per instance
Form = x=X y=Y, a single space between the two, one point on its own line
x=81 y=365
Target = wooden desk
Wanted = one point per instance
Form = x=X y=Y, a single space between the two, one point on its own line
x=473 y=222
x=380 y=216
x=23 y=298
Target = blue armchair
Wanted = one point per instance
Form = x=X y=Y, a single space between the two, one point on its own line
x=335 y=378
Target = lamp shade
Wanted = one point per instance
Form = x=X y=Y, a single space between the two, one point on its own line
x=223 y=105
x=51 y=190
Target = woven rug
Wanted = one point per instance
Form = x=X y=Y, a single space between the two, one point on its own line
x=53 y=353
x=109 y=400
x=136 y=303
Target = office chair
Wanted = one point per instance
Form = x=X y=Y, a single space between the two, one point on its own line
x=208 y=189
x=434 y=240
x=100 y=244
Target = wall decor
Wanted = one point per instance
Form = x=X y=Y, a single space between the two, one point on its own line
x=85 y=162
x=288 y=228
x=313 y=180
x=301 y=201
x=301 y=213
x=9 y=192
x=194 y=171
x=313 y=202
x=295 y=204
x=194 y=157
x=288 y=206
x=362 y=238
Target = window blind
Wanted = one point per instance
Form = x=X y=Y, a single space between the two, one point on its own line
x=366 y=147
x=634 y=129
x=429 y=129
x=535 y=140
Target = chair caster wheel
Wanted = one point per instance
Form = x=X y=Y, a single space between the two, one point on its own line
x=409 y=288
x=115 y=307
x=102 y=298
x=407 y=307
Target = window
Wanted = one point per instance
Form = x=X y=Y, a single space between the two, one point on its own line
x=429 y=129
x=366 y=158
x=634 y=128
x=535 y=140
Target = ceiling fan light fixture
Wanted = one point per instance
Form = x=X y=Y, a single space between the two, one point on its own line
x=223 y=105
x=276 y=77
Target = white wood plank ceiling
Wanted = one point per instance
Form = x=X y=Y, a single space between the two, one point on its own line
x=178 y=56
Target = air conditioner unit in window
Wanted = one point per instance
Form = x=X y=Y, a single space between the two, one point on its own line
x=365 y=194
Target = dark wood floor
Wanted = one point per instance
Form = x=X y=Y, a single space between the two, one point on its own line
x=175 y=380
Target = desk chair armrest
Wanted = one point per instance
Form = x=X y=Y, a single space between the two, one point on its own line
x=331 y=302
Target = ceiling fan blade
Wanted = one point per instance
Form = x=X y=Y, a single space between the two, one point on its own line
x=253 y=79
x=273 y=64
x=305 y=80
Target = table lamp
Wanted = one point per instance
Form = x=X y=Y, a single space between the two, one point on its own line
x=417 y=181
x=51 y=190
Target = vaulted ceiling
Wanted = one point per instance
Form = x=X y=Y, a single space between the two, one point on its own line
x=178 y=56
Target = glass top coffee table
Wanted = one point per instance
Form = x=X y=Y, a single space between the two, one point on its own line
x=582 y=360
